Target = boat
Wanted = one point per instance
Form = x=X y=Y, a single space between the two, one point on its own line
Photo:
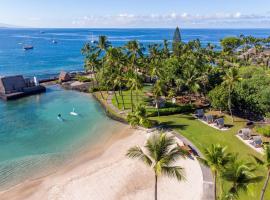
x=73 y=112
x=28 y=47
x=54 y=41
x=92 y=40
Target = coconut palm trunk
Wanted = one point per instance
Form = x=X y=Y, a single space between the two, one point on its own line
x=116 y=98
x=131 y=98
x=265 y=185
x=230 y=104
x=122 y=98
x=215 y=185
x=156 y=187
x=95 y=77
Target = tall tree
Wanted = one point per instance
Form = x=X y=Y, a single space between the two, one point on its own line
x=265 y=163
x=158 y=91
x=229 y=80
x=216 y=158
x=159 y=153
x=177 y=42
x=177 y=35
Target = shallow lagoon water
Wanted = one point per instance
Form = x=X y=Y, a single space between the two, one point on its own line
x=32 y=138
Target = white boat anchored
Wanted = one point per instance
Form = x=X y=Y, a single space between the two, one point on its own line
x=74 y=113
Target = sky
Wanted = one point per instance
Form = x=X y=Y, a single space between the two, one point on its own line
x=136 y=13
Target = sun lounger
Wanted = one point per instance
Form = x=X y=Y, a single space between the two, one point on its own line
x=199 y=113
x=208 y=118
x=245 y=133
x=219 y=123
x=257 y=142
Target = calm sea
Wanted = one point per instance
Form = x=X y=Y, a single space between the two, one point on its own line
x=31 y=137
x=48 y=59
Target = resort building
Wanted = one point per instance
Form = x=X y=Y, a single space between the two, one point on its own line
x=13 y=87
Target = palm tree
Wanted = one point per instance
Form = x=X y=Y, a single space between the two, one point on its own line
x=134 y=84
x=160 y=154
x=216 y=158
x=229 y=80
x=102 y=46
x=158 y=92
x=241 y=175
x=265 y=163
x=91 y=62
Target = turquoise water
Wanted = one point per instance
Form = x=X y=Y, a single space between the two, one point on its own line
x=32 y=138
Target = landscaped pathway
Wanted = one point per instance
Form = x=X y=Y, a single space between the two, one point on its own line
x=208 y=186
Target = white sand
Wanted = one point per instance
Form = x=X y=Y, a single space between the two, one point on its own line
x=111 y=176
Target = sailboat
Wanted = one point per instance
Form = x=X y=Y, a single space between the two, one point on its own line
x=92 y=40
x=73 y=112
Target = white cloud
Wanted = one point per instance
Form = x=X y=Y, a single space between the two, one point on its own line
x=173 y=19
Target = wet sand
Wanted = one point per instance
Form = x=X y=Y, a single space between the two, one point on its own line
x=104 y=172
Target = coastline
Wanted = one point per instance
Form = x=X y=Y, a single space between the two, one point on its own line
x=101 y=173
x=24 y=189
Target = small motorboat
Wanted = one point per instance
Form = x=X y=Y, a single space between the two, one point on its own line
x=73 y=112
x=28 y=47
x=54 y=41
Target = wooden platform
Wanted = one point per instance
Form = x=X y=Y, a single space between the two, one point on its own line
x=26 y=92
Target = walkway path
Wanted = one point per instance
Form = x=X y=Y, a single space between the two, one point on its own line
x=208 y=185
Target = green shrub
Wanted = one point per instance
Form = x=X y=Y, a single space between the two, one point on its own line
x=263 y=130
x=83 y=78
x=171 y=110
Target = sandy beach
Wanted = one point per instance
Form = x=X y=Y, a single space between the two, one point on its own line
x=106 y=173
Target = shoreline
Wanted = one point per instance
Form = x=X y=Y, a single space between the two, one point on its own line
x=24 y=189
x=101 y=173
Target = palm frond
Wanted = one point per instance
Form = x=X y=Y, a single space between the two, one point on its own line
x=137 y=152
x=174 y=171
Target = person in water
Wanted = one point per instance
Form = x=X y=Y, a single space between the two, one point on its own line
x=59 y=115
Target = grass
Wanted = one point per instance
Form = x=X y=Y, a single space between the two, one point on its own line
x=137 y=98
x=203 y=136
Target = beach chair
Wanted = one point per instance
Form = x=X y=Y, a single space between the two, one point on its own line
x=199 y=113
x=208 y=118
x=245 y=133
x=257 y=142
x=219 y=123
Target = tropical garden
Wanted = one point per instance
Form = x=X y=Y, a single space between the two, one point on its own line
x=164 y=83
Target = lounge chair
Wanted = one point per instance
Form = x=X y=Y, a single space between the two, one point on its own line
x=208 y=118
x=245 y=133
x=199 y=113
x=219 y=123
x=257 y=142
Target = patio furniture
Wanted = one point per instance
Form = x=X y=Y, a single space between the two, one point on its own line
x=219 y=123
x=199 y=113
x=245 y=133
x=208 y=118
x=257 y=142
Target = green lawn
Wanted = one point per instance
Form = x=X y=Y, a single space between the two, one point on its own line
x=202 y=136
x=137 y=98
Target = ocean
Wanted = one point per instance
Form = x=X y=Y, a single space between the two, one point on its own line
x=32 y=139
x=48 y=59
